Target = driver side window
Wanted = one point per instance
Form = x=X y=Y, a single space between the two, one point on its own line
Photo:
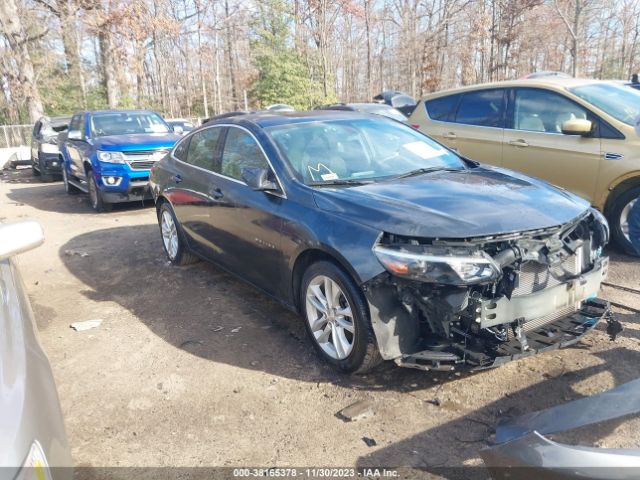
x=537 y=110
x=240 y=150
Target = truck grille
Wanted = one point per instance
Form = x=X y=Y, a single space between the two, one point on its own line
x=535 y=276
x=141 y=159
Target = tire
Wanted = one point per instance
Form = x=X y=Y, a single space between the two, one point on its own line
x=70 y=189
x=357 y=352
x=178 y=253
x=617 y=214
x=95 y=196
x=34 y=171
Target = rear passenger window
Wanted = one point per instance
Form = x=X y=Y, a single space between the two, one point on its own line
x=484 y=108
x=181 y=150
x=202 y=148
x=443 y=108
x=241 y=150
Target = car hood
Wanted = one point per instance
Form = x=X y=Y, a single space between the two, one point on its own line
x=454 y=204
x=136 y=141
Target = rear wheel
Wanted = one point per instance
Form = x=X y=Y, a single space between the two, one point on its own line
x=337 y=319
x=619 y=220
x=95 y=195
x=172 y=238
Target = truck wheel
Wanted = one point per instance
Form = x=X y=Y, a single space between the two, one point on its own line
x=619 y=220
x=337 y=319
x=95 y=196
x=44 y=177
x=172 y=237
x=70 y=189
x=34 y=171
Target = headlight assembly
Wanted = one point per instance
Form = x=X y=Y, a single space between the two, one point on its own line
x=110 y=157
x=604 y=224
x=35 y=466
x=49 y=148
x=438 y=265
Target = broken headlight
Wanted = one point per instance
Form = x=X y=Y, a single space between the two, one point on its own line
x=449 y=266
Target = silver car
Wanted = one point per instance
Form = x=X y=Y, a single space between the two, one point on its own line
x=33 y=443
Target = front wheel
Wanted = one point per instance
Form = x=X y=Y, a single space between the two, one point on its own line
x=337 y=319
x=95 y=196
x=623 y=223
x=70 y=189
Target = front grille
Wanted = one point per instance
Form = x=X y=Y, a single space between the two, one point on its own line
x=142 y=164
x=141 y=159
x=534 y=276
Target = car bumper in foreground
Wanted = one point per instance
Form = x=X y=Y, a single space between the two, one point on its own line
x=522 y=451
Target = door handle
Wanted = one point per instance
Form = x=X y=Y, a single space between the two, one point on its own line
x=518 y=143
x=177 y=178
x=217 y=194
x=450 y=136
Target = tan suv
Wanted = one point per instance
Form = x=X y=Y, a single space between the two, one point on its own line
x=582 y=135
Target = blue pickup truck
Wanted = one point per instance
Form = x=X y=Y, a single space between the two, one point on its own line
x=109 y=153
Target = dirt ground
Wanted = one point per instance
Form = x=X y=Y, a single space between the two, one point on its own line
x=191 y=367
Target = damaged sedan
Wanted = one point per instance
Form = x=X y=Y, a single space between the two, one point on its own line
x=388 y=244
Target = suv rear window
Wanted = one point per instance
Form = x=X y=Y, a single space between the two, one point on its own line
x=484 y=108
x=443 y=108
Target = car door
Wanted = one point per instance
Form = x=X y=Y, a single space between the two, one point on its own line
x=193 y=187
x=534 y=142
x=77 y=146
x=245 y=224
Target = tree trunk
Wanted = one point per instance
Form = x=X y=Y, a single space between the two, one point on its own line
x=17 y=39
x=109 y=68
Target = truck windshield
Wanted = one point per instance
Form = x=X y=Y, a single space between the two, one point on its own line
x=622 y=103
x=123 y=123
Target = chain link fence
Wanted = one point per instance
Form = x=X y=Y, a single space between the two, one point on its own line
x=15 y=135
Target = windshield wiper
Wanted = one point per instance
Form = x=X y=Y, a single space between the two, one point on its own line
x=348 y=181
x=420 y=171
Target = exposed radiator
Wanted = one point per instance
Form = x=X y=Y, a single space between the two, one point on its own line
x=534 y=276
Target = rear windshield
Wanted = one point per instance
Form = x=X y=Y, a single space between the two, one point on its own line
x=123 y=123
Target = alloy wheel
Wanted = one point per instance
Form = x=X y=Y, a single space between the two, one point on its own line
x=169 y=234
x=624 y=218
x=330 y=317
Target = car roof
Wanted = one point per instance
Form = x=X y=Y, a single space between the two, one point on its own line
x=118 y=110
x=272 y=119
x=558 y=83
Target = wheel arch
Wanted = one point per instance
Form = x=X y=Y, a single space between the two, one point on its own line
x=619 y=187
x=310 y=256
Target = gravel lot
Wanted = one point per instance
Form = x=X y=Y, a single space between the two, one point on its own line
x=191 y=367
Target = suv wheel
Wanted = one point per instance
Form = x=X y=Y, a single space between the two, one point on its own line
x=70 y=189
x=619 y=220
x=337 y=319
x=95 y=196
x=172 y=238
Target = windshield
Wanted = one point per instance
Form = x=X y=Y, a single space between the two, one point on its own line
x=334 y=151
x=123 y=123
x=622 y=103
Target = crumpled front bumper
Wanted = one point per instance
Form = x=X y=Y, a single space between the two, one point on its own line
x=522 y=452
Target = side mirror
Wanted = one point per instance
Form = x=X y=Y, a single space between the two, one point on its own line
x=577 y=126
x=74 y=135
x=178 y=129
x=258 y=179
x=19 y=237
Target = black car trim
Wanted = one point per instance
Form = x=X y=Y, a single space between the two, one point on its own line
x=277 y=194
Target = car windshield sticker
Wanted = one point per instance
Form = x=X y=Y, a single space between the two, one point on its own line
x=423 y=150
x=322 y=173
